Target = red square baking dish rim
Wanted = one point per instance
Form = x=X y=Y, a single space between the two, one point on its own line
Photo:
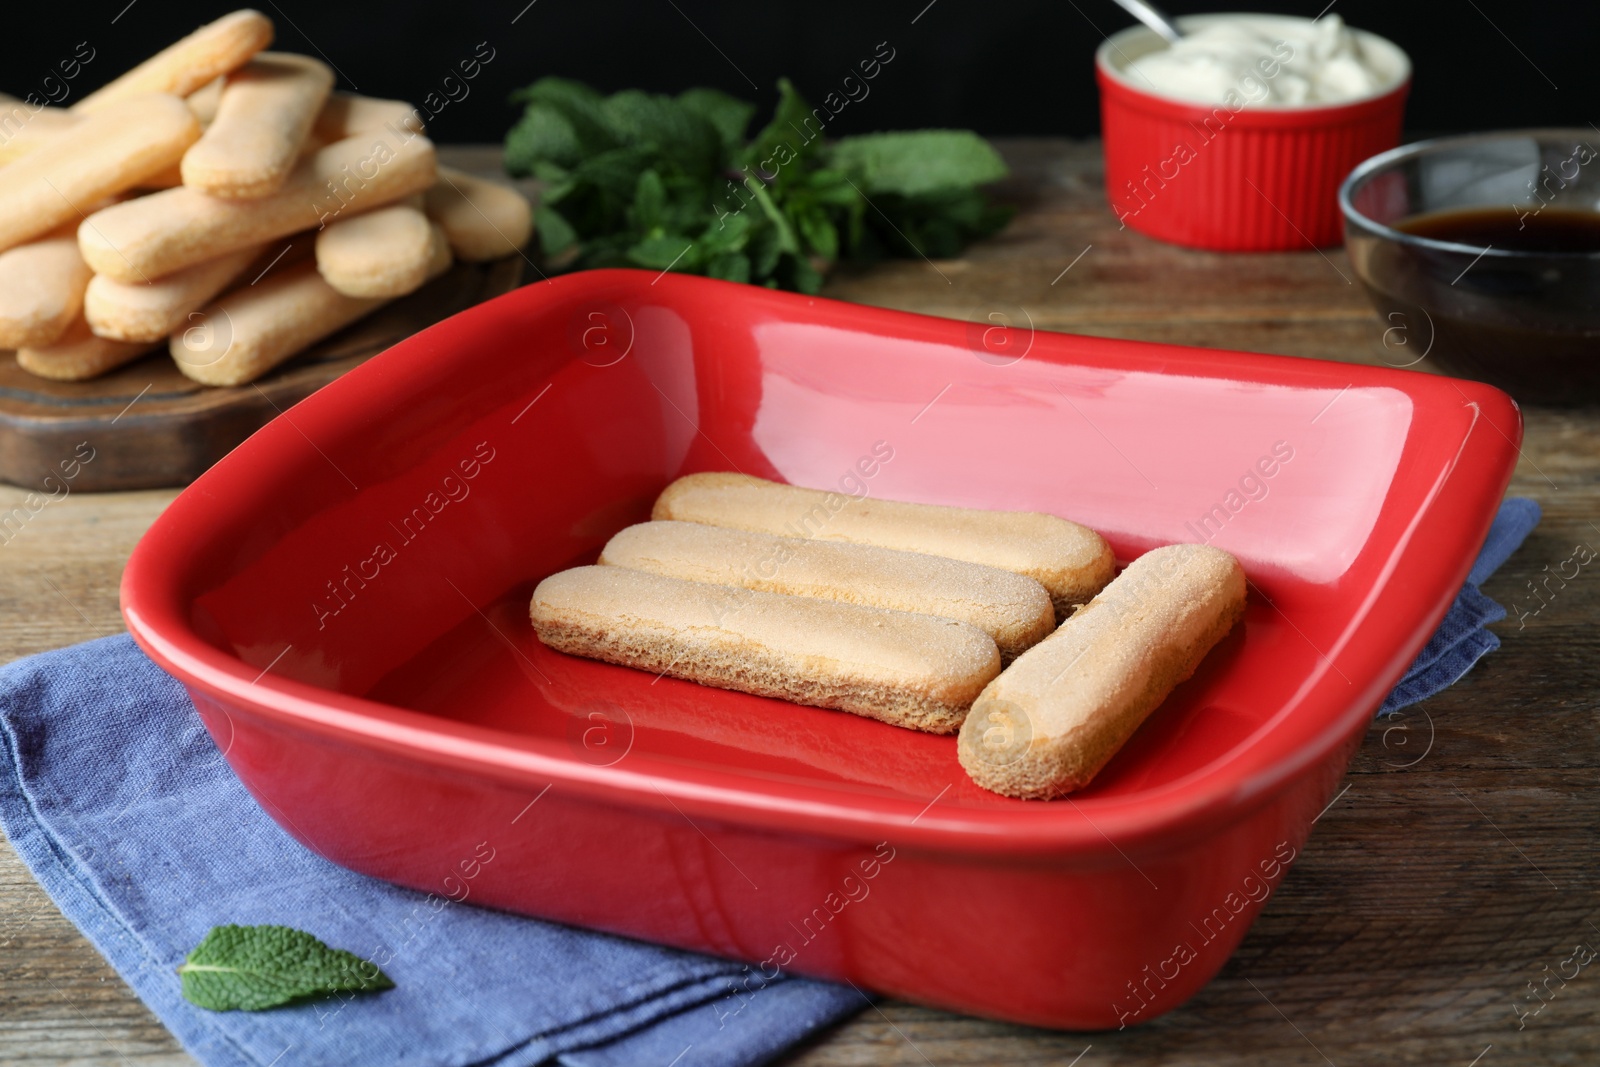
x=1459 y=451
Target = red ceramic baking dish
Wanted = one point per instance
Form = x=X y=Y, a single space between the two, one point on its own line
x=345 y=597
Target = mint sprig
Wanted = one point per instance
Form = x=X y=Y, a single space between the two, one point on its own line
x=644 y=180
x=249 y=968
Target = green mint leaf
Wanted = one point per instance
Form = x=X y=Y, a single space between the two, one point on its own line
x=668 y=251
x=542 y=136
x=556 y=234
x=765 y=248
x=730 y=267
x=803 y=276
x=819 y=232
x=628 y=178
x=610 y=250
x=638 y=117
x=679 y=136
x=581 y=106
x=249 y=968
x=727 y=115
x=833 y=188
x=649 y=202
x=917 y=161
x=564 y=91
x=787 y=241
x=792 y=135
x=614 y=173
x=726 y=233
x=937 y=225
x=546 y=171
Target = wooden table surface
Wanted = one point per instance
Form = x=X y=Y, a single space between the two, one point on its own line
x=1457 y=866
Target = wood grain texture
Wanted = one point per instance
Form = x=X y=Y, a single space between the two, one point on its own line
x=1460 y=861
x=151 y=426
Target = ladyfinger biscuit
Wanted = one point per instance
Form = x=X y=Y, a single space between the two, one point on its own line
x=124 y=312
x=176 y=228
x=184 y=66
x=1063 y=709
x=41 y=291
x=1072 y=562
x=908 y=670
x=169 y=178
x=483 y=219
x=347 y=114
x=25 y=128
x=1013 y=610
x=79 y=355
x=383 y=253
x=256 y=327
x=204 y=100
x=98 y=157
x=266 y=111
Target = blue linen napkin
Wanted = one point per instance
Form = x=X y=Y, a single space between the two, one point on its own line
x=114 y=796
x=1462 y=638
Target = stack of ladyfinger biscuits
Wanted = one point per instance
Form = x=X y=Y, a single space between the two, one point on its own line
x=223 y=200
x=1007 y=626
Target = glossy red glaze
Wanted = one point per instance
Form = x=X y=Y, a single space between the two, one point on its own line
x=1254 y=180
x=396 y=714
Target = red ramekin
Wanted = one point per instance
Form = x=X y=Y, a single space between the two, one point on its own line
x=1260 y=179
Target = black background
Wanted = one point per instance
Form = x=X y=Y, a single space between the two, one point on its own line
x=998 y=66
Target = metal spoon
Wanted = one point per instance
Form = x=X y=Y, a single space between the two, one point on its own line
x=1153 y=17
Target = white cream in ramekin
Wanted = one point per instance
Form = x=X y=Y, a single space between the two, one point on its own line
x=1278 y=60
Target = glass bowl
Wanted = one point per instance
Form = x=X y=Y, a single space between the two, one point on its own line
x=1526 y=320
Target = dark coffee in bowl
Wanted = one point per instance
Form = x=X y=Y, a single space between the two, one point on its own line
x=1550 y=229
x=1482 y=254
x=1524 y=321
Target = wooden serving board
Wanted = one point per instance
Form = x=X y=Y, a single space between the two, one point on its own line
x=151 y=427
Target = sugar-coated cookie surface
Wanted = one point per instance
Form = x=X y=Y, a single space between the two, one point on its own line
x=382 y=253
x=265 y=111
x=142 y=239
x=105 y=154
x=348 y=113
x=256 y=327
x=149 y=312
x=79 y=355
x=908 y=670
x=41 y=291
x=483 y=219
x=1072 y=562
x=190 y=63
x=204 y=100
x=30 y=129
x=1056 y=716
x=1012 y=609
